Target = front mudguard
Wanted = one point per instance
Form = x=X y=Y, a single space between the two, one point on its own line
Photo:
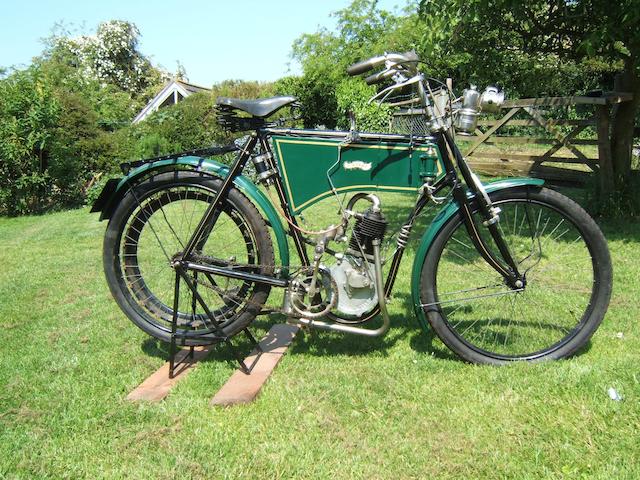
x=115 y=190
x=449 y=210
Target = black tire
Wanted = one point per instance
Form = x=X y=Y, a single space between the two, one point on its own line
x=566 y=293
x=152 y=224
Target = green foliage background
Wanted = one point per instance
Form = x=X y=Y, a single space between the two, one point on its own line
x=64 y=130
x=65 y=120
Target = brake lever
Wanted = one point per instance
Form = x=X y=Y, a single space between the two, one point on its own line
x=384 y=93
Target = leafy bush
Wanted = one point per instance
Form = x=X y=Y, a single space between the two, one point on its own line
x=29 y=112
x=352 y=95
x=180 y=127
x=95 y=188
x=111 y=56
x=64 y=121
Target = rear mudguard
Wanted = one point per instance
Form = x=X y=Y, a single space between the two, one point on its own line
x=113 y=193
x=438 y=222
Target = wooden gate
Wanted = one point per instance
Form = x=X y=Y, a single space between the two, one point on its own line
x=567 y=159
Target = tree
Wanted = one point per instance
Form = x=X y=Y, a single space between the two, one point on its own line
x=363 y=30
x=596 y=36
x=62 y=118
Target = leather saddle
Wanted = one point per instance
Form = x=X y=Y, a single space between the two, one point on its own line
x=258 y=108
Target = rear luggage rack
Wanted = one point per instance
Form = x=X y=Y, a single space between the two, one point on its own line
x=126 y=167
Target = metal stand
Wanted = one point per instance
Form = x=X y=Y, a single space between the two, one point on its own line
x=220 y=336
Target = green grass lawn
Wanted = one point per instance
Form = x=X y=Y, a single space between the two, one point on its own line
x=336 y=407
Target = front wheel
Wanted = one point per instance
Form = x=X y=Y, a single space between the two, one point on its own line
x=567 y=270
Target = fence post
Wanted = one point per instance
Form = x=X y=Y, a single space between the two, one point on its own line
x=605 y=173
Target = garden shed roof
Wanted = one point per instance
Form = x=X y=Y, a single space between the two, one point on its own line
x=173 y=92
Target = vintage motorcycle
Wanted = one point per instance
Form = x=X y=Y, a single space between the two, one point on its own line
x=507 y=270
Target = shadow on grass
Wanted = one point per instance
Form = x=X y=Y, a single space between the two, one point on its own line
x=404 y=328
x=583 y=349
x=155 y=348
x=222 y=352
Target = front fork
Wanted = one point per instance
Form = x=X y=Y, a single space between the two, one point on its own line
x=505 y=266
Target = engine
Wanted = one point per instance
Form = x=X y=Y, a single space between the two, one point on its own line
x=348 y=287
x=369 y=226
x=354 y=273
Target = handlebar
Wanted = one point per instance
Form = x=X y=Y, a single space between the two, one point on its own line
x=380 y=76
x=365 y=65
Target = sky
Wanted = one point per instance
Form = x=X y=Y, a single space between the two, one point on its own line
x=214 y=40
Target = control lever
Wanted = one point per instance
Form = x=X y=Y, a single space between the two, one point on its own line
x=353 y=136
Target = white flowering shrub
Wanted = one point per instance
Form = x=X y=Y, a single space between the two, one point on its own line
x=111 y=56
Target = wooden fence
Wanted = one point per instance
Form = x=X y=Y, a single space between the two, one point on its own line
x=565 y=159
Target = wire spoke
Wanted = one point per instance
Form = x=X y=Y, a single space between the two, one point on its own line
x=558 y=282
x=159 y=228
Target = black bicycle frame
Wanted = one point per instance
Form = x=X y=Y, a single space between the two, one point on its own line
x=448 y=149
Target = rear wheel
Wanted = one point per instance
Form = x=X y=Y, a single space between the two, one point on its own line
x=152 y=225
x=567 y=269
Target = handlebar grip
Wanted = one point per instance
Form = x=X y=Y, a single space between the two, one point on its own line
x=364 y=66
x=378 y=77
